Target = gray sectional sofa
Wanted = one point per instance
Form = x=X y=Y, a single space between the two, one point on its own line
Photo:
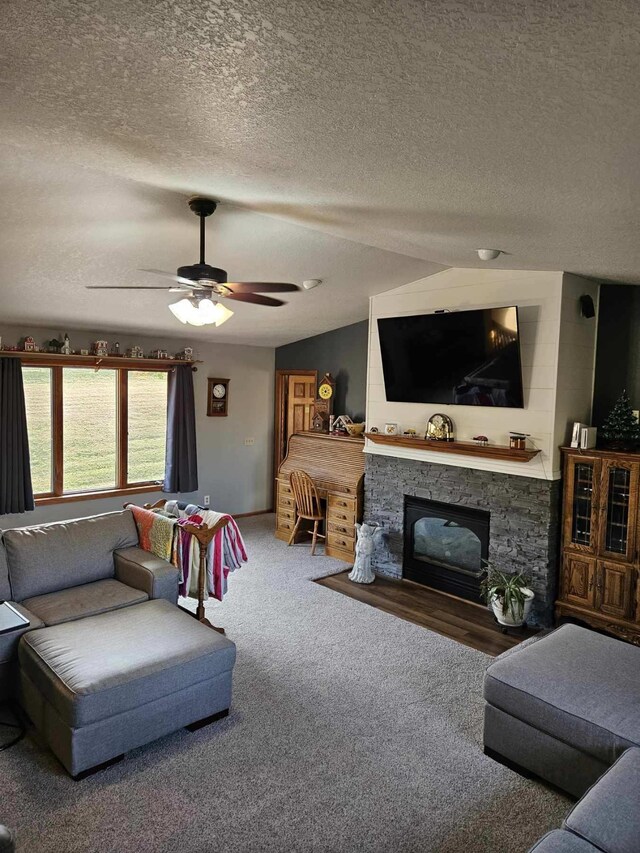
x=563 y=706
x=607 y=818
x=108 y=661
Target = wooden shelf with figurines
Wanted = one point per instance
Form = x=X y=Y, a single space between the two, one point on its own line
x=59 y=352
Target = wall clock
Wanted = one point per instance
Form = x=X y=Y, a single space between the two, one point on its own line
x=326 y=389
x=217 y=397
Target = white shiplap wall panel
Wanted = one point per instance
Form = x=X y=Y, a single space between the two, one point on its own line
x=557 y=348
x=538 y=296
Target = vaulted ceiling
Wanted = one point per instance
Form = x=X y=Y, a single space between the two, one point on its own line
x=362 y=142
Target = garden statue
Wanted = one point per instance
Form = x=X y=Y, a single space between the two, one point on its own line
x=362 y=571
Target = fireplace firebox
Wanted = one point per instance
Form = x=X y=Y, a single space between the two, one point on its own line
x=445 y=546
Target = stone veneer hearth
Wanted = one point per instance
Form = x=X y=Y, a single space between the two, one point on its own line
x=524 y=525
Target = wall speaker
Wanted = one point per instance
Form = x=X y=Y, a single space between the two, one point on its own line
x=587 y=308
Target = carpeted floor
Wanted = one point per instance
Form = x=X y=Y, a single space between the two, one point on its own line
x=351 y=730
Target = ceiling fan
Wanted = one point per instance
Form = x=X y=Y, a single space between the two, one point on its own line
x=203 y=282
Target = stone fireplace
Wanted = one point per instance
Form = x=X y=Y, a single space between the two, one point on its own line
x=457 y=517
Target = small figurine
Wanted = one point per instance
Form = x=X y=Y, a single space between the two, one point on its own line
x=319 y=422
x=340 y=424
x=362 y=571
x=29 y=345
x=518 y=440
x=101 y=348
x=481 y=440
x=374 y=430
x=158 y=353
x=65 y=349
x=135 y=352
x=116 y=349
x=410 y=433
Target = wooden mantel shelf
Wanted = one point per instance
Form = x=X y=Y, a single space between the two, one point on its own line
x=51 y=358
x=466 y=448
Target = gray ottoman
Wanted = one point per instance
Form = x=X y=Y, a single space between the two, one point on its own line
x=100 y=686
x=563 y=707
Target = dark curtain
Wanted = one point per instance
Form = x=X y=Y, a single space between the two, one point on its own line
x=181 y=462
x=16 y=493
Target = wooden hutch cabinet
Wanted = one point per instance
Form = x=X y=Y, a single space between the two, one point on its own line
x=600 y=542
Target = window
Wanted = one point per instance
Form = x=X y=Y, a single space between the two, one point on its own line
x=94 y=430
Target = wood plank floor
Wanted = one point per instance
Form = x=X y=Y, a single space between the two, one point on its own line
x=470 y=624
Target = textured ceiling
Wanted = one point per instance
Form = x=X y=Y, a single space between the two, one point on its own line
x=64 y=227
x=423 y=128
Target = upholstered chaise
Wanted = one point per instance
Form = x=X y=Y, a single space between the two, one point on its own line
x=109 y=662
x=68 y=570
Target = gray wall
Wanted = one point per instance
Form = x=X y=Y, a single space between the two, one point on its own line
x=618 y=349
x=341 y=352
x=236 y=476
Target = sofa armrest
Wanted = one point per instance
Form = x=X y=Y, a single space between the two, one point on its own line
x=143 y=570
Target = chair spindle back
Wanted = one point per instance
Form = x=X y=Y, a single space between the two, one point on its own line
x=305 y=494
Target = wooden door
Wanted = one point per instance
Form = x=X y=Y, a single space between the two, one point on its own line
x=582 y=482
x=301 y=398
x=578 y=580
x=618 y=509
x=285 y=416
x=615 y=589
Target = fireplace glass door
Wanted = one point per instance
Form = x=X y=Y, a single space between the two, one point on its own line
x=448 y=543
x=445 y=546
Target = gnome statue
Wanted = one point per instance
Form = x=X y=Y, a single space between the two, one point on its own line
x=362 y=571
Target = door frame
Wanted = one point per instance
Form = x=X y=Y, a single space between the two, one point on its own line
x=280 y=414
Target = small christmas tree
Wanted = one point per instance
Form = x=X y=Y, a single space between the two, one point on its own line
x=621 y=428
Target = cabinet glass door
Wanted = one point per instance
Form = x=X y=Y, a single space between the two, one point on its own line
x=619 y=487
x=582 y=480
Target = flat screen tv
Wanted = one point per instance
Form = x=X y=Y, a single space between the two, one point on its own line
x=464 y=358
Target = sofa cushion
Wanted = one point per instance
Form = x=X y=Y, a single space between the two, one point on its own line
x=86 y=600
x=580 y=687
x=94 y=668
x=559 y=841
x=609 y=813
x=5 y=586
x=55 y=556
x=9 y=641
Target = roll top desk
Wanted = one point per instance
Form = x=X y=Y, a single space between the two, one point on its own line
x=336 y=466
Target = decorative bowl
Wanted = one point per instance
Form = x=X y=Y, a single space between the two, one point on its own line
x=355 y=429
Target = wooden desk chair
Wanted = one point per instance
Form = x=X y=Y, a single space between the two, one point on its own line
x=307 y=505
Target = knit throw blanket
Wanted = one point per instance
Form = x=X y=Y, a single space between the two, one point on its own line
x=156 y=533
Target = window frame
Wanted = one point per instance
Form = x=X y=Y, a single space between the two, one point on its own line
x=122 y=487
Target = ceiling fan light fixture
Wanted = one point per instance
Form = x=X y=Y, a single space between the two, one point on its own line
x=222 y=314
x=181 y=310
x=203 y=312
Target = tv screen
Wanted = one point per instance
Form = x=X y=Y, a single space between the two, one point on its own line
x=464 y=358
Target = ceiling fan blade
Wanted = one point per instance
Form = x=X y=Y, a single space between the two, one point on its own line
x=256 y=298
x=186 y=281
x=132 y=287
x=262 y=286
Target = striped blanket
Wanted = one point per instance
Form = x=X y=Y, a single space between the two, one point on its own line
x=162 y=533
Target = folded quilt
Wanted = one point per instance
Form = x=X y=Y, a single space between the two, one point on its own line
x=156 y=532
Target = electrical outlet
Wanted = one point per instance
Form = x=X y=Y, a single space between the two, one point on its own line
x=249 y=441
x=206 y=500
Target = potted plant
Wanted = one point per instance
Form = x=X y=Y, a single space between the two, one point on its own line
x=509 y=596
